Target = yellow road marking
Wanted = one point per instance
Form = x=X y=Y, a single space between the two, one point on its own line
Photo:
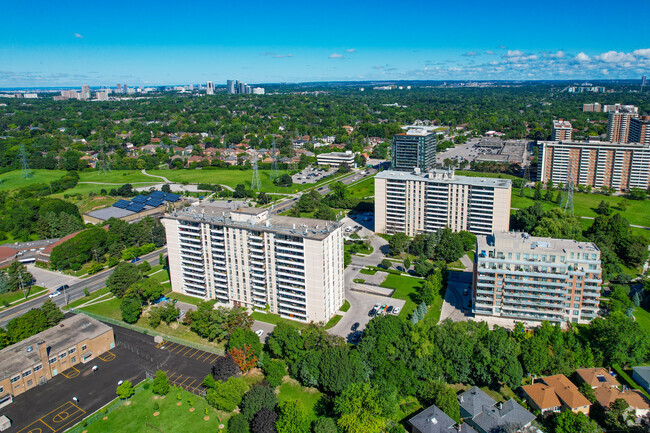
x=184 y=380
x=189 y=385
x=201 y=355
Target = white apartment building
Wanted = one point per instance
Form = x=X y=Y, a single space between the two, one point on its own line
x=417 y=202
x=334 y=159
x=246 y=257
x=521 y=277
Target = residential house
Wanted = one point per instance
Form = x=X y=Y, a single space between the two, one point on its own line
x=434 y=420
x=541 y=397
x=485 y=415
x=642 y=376
x=607 y=390
x=568 y=393
x=150 y=148
x=596 y=377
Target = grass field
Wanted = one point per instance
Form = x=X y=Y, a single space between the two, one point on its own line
x=405 y=288
x=109 y=308
x=94 y=295
x=637 y=212
x=275 y=319
x=7 y=298
x=292 y=390
x=14 y=180
x=363 y=189
x=172 y=417
x=643 y=317
x=333 y=321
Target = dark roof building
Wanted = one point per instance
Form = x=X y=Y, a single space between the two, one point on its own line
x=486 y=416
x=415 y=148
x=434 y=420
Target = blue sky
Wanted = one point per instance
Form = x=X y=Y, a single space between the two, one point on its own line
x=60 y=43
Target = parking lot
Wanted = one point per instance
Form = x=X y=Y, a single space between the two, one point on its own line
x=50 y=408
x=311 y=175
x=49 y=279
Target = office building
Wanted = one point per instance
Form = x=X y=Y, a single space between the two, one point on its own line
x=209 y=88
x=618 y=124
x=640 y=130
x=561 y=130
x=415 y=148
x=592 y=108
x=416 y=202
x=520 y=277
x=246 y=257
x=334 y=159
x=614 y=165
x=230 y=87
x=37 y=359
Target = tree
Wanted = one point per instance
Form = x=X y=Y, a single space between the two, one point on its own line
x=160 y=384
x=238 y=424
x=407 y=264
x=603 y=208
x=263 y=198
x=257 y=398
x=339 y=367
x=264 y=421
x=53 y=314
x=571 y=422
x=325 y=425
x=450 y=247
x=274 y=370
x=360 y=409
x=225 y=367
x=588 y=392
x=325 y=213
x=437 y=393
x=386 y=264
x=170 y=313
x=147 y=289
x=398 y=243
x=144 y=267
x=19 y=276
x=283 y=181
x=125 y=390
x=166 y=188
x=344 y=168
x=123 y=276
x=226 y=395
x=131 y=308
x=292 y=418
x=244 y=357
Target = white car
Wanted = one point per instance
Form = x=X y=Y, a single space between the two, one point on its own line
x=396 y=310
x=259 y=332
x=54 y=294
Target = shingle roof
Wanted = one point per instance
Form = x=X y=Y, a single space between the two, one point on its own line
x=566 y=391
x=509 y=413
x=643 y=372
x=475 y=401
x=597 y=377
x=542 y=395
x=434 y=420
x=606 y=396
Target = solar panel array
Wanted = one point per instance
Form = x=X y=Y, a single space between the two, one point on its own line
x=155 y=199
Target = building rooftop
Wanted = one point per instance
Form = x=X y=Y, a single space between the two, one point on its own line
x=598 y=144
x=597 y=377
x=503 y=415
x=258 y=219
x=643 y=372
x=523 y=241
x=561 y=123
x=66 y=334
x=474 y=401
x=606 y=396
x=434 y=420
x=110 y=212
x=543 y=395
x=566 y=391
x=445 y=176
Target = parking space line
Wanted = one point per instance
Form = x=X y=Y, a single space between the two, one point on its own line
x=184 y=380
x=201 y=355
x=189 y=349
x=72 y=374
x=194 y=353
x=172 y=375
x=189 y=385
x=180 y=348
x=170 y=346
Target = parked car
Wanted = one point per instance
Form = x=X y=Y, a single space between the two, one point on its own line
x=372 y=312
x=259 y=332
x=396 y=310
x=355 y=326
x=389 y=309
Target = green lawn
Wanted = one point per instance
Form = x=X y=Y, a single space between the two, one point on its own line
x=18 y=295
x=363 y=189
x=14 y=180
x=94 y=295
x=368 y=271
x=643 y=317
x=292 y=390
x=110 y=308
x=160 y=276
x=275 y=319
x=172 y=417
x=185 y=298
x=93 y=203
x=637 y=211
x=345 y=307
x=405 y=288
x=333 y=321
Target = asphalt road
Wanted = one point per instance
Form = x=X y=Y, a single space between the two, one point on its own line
x=74 y=292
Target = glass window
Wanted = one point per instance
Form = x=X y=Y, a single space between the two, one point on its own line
x=27 y=373
x=15 y=379
x=63 y=355
x=38 y=367
x=52 y=360
x=73 y=350
x=84 y=347
x=73 y=359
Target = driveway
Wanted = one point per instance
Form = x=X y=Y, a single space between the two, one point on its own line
x=50 y=279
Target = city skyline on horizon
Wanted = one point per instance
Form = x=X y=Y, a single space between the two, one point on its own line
x=80 y=43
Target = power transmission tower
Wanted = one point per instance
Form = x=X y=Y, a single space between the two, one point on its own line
x=26 y=172
x=102 y=161
x=568 y=205
x=256 y=183
x=525 y=180
x=275 y=173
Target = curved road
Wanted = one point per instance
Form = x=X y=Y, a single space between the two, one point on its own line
x=76 y=291
x=154 y=175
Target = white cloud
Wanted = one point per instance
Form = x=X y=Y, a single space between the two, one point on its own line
x=335 y=56
x=503 y=47
x=560 y=54
x=78 y=36
x=644 y=52
x=582 y=57
x=350 y=50
x=489 y=52
x=470 y=54
x=615 y=57
x=514 y=53
x=276 y=55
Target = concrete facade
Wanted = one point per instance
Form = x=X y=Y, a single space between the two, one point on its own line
x=618 y=166
x=425 y=202
x=561 y=130
x=618 y=124
x=245 y=257
x=518 y=276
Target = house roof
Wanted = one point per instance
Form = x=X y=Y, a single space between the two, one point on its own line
x=566 y=391
x=643 y=372
x=434 y=420
x=596 y=377
x=475 y=401
x=542 y=395
x=606 y=396
x=509 y=413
